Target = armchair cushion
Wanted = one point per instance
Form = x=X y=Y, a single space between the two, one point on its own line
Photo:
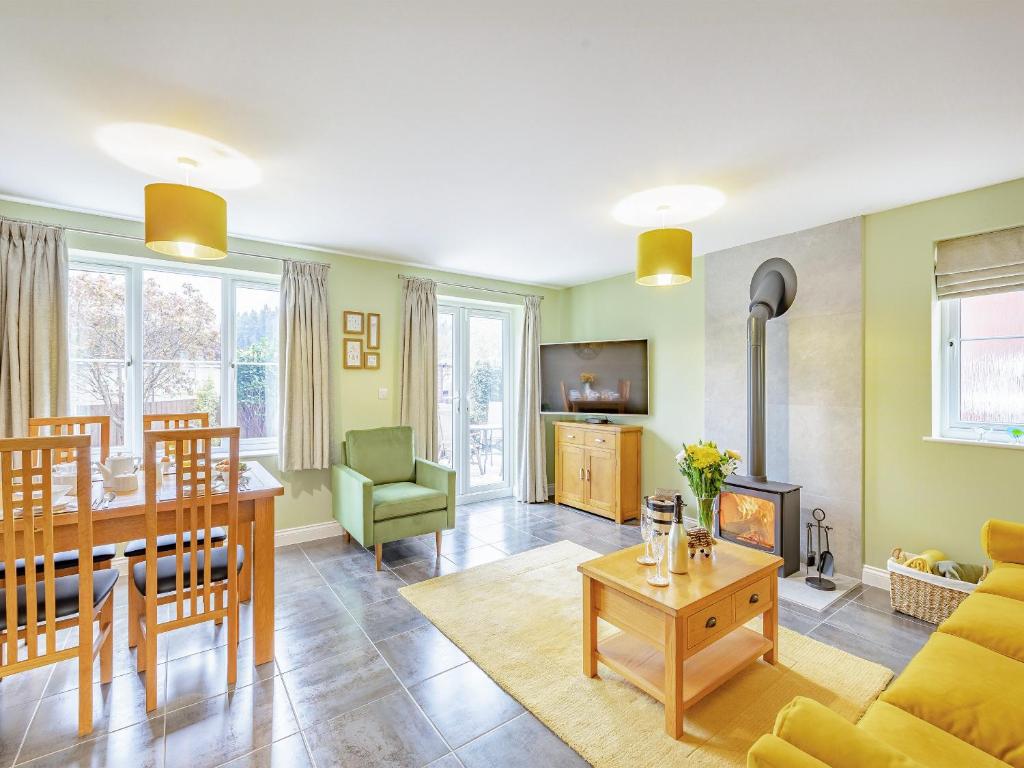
x=1006 y=579
x=403 y=499
x=1003 y=541
x=384 y=455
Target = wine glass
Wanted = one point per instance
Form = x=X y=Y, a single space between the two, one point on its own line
x=646 y=530
x=658 y=550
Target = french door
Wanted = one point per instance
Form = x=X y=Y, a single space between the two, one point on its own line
x=474 y=398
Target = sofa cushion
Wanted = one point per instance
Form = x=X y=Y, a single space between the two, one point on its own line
x=922 y=741
x=968 y=691
x=384 y=455
x=402 y=499
x=993 y=621
x=770 y=751
x=1006 y=579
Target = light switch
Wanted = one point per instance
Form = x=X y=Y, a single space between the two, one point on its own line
x=382 y=393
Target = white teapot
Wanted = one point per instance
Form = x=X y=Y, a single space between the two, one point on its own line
x=119 y=472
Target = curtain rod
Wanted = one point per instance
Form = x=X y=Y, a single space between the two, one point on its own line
x=476 y=287
x=143 y=240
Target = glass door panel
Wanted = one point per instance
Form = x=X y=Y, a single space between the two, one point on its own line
x=473 y=384
x=485 y=400
x=446 y=387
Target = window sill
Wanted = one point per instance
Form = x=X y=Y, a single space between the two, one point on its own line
x=257 y=453
x=979 y=443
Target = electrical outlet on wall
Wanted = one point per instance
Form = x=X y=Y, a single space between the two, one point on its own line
x=382 y=393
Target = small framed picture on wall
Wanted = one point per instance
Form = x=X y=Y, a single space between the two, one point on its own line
x=353 y=353
x=371 y=360
x=372 y=330
x=352 y=322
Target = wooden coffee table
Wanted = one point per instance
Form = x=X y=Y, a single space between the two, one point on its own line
x=679 y=643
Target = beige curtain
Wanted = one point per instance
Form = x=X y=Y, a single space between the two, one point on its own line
x=992 y=262
x=33 y=324
x=305 y=409
x=419 y=363
x=531 y=462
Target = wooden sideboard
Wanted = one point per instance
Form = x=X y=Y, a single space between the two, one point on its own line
x=597 y=468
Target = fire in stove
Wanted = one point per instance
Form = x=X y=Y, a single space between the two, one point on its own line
x=747 y=519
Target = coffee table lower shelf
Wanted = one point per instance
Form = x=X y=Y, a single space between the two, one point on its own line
x=643 y=664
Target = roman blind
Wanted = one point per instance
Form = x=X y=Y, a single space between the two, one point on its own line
x=992 y=262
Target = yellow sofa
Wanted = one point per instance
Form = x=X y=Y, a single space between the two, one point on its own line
x=959 y=703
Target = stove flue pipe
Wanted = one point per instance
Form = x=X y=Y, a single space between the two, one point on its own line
x=772 y=291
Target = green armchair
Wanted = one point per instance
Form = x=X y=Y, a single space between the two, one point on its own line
x=382 y=492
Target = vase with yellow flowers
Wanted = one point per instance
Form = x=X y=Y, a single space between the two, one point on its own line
x=705 y=468
x=587 y=380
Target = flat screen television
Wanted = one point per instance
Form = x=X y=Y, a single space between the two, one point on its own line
x=594 y=377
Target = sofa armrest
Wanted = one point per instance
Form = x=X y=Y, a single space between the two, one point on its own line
x=770 y=751
x=440 y=478
x=819 y=732
x=1003 y=541
x=352 y=498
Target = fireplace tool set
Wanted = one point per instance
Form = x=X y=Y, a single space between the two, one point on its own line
x=822 y=558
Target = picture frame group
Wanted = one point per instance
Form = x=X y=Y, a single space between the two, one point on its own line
x=360 y=352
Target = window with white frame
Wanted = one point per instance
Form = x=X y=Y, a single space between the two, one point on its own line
x=155 y=337
x=983 y=367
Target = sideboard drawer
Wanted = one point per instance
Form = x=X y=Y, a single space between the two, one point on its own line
x=600 y=440
x=570 y=435
x=709 y=622
x=752 y=599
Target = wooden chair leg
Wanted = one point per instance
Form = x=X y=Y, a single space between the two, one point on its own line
x=378 y=553
x=346 y=536
x=149 y=640
x=107 y=650
x=214 y=603
x=232 y=601
x=85 y=657
x=437 y=542
x=135 y=608
x=245 y=577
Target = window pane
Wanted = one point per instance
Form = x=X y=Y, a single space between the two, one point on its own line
x=97 y=321
x=256 y=370
x=992 y=381
x=181 y=343
x=1001 y=314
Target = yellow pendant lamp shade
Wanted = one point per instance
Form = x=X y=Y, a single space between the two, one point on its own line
x=664 y=257
x=186 y=221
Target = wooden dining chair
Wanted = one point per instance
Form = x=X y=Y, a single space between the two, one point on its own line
x=192 y=578
x=37 y=609
x=98 y=428
x=135 y=551
x=54 y=426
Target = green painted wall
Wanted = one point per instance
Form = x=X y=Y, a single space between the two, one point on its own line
x=672 y=318
x=921 y=494
x=355 y=283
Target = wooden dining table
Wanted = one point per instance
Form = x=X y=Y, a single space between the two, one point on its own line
x=124 y=519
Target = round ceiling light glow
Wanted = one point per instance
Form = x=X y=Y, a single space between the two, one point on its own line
x=156 y=150
x=668 y=206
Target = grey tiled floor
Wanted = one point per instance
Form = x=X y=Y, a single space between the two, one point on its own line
x=360 y=677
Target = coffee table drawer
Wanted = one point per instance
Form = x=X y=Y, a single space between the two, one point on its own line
x=753 y=599
x=712 y=621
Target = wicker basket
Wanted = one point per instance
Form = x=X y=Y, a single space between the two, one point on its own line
x=925 y=595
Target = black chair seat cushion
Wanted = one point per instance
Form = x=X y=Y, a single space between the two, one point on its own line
x=67 y=559
x=66 y=593
x=166 y=543
x=166 y=570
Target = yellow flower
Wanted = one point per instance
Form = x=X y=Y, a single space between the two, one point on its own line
x=733 y=455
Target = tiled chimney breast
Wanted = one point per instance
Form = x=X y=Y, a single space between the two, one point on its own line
x=814 y=389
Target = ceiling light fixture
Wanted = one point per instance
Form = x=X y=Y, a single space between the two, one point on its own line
x=186 y=221
x=664 y=256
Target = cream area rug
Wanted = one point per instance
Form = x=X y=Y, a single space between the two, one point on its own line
x=520 y=620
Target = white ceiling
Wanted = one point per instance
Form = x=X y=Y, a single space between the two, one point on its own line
x=494 y=138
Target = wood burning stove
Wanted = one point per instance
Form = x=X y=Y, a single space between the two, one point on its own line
x=752 y=510
x=762 y=515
